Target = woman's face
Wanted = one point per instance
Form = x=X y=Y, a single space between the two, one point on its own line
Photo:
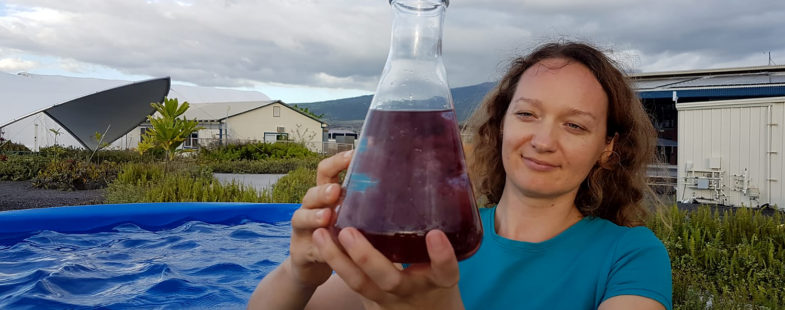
x=554 y=130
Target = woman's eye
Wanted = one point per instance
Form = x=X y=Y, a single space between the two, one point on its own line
x=525 y=114
x=576 y=126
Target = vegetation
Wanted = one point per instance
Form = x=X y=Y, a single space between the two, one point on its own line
x=72 y=174
x=255 y=151
x=292 y=187
x=727 y=260
x=8 y=146
x=168 y=130
x=118 y=156
x=20 y=167
x=268 y=166
x=150 y=182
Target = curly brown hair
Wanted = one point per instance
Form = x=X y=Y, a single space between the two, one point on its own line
x=613 y=190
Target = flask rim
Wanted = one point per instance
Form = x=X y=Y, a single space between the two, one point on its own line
x=446 y=2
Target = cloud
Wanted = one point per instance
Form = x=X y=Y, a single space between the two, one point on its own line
x=16 y=64
x=344 y=43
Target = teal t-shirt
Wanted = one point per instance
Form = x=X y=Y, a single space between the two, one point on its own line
x=591 y=261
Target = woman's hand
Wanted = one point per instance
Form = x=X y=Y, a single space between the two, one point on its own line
x=385 y=285
x=305 y=262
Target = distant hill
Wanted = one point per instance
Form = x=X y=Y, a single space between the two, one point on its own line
x=353 y=110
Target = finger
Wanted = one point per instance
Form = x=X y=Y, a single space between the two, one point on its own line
x=444 y=264
x=373 y=263
x=344 y=266
x=322 y=196
x=310 y=219
x=329 y=169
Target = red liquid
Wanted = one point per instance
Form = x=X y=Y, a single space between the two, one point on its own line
x=409 y=177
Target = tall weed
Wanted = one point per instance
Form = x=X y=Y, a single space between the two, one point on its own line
x=292 y=187
x=734 y=259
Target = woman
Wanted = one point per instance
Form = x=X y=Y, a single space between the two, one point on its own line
x=560 y=149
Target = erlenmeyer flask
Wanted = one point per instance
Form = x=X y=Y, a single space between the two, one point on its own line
x=408 y=175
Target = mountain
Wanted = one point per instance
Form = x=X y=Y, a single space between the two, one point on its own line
x=350 y=111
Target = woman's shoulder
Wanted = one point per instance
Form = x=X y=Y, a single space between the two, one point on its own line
x=625 y=238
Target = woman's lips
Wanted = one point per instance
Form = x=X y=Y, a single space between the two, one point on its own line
x=538 y=165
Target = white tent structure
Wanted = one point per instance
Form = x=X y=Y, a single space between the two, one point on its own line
x=43 y=110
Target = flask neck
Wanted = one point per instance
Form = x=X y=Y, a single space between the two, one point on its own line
x=417 y=29
x=414 y=77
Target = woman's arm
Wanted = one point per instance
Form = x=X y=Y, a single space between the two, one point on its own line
x=622 y=302
x=279 y=290
x=293 y=283
x=335 y=294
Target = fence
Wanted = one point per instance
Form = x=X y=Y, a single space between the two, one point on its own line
x=662 y=178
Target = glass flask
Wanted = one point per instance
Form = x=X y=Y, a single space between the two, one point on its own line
x=408 y=174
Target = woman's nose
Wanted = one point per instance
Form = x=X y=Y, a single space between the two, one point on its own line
x=544 y=139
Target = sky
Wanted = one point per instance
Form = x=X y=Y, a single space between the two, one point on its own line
x=313 y=50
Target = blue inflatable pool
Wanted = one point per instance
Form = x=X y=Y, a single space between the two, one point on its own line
x=152 y=255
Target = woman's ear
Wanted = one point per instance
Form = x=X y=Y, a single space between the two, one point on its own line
x=607 y=151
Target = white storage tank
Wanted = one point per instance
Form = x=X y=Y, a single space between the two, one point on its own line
x=731 y=152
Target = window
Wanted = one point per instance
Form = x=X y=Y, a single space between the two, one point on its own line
x=276 y=111
x=192 y=141
x=272 y=137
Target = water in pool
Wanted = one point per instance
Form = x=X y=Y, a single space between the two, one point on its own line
x=193 y=265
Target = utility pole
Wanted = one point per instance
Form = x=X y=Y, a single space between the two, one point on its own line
x=35 y=138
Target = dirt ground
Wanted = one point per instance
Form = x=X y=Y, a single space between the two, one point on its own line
x=22 y=195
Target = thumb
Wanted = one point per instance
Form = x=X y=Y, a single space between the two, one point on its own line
x=444 y=264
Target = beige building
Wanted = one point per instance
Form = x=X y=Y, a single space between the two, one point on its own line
x=251 y=121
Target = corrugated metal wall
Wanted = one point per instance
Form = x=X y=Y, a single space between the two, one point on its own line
x=736 y=134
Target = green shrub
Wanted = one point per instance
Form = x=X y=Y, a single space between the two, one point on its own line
x=72 y=174
x=57 y=151
x=21 y=167
x=268 y=166
x=7 y=146
x=117 y=156
x=152 y=172
x=292 y=187
x=127 y=156
x=734 y=258
x=255 y=151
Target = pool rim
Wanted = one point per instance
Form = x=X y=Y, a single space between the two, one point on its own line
x=151 y=216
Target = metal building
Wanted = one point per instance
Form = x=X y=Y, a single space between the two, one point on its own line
x=728 y=124
x=731 y=152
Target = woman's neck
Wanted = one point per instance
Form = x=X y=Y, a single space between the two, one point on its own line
x=533 y=219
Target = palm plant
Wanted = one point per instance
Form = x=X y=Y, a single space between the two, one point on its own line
x=168 y=131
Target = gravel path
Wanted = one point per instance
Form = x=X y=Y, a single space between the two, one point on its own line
x=22 y=195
